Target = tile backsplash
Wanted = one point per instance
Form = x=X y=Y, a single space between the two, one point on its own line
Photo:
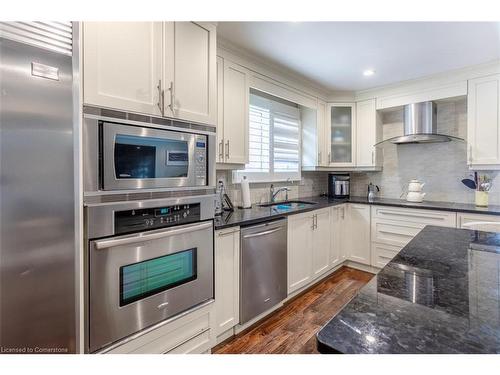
x=311 y=184
x=441 y=166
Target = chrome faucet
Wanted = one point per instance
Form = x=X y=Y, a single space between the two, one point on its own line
x=273 y=194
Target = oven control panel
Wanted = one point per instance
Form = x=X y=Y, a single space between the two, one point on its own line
x=200 y=160
x=154 y=218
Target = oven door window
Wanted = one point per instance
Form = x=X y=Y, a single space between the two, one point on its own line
x=147 y=157
x=152 y=276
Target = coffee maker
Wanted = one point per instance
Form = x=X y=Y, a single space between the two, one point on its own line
x=338 y=185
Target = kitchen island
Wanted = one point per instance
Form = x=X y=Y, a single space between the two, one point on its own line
x=440 y=294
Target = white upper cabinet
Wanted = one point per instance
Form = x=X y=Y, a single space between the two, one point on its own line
x=157 y=68
x=321 y=130
x=220 y=110
x=341 y=134
x=483 y=122
x=236 y=105
x=189 y=70
x=367 y=133
x=122 y=65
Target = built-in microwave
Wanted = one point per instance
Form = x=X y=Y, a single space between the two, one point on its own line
x=129 y=155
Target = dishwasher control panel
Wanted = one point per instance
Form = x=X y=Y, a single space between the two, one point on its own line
x=157 y=217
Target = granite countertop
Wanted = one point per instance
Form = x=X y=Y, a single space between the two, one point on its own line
x=258 y=214
x=440 y=294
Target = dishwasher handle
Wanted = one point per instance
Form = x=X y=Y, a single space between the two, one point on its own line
x=262 y=233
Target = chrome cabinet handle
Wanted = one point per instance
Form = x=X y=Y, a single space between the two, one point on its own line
x=223 y=234
x=161 y=98
x=172 y=96
x=319 y=157
x=105 y=244
x=227 y=149
x=221 y=150
x=262 y=233
x=329 y=157
x=373 y=154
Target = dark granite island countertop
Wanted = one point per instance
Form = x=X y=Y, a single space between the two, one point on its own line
x=440 y=294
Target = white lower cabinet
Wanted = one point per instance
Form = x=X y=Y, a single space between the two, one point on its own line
x=484 y=288
x=321 y=242
x=190 y=333
x=227 y=277
x=488 y=223
x=383 y=254
x=338 y=227
x=299 y=251
x=359 y=233
x=393 y=227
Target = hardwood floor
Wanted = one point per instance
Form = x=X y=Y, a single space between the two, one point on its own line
x=292 y=329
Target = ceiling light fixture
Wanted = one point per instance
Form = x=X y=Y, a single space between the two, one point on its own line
x=368 y=72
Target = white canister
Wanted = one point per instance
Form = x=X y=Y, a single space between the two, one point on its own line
x=245 y=193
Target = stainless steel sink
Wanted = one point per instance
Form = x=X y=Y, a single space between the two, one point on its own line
x=288 y=205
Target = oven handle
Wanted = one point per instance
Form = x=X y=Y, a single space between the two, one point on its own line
x=142 y=237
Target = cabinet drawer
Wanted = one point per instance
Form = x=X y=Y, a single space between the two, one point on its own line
x=425 y=217
x=180 y=335
x=197 y=345
x=394 y=232
x=383 y=254
x=488 y=223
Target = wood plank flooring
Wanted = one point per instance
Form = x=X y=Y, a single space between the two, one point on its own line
x=292 y=329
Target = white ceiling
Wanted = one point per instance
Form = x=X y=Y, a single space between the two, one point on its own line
x=333 y=55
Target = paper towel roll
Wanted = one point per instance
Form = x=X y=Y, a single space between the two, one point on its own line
x=245 y=193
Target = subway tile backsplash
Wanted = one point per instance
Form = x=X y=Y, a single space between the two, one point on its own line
x=441 y=166
x=311 y=184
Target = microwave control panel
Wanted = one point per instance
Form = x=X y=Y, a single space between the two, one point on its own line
x=200 y=160
x=139 y=220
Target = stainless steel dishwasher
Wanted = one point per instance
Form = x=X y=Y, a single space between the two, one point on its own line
x=263 y=268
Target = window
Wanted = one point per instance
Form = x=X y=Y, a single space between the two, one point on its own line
x=274 y=140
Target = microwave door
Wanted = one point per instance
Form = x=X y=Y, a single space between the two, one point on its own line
x=145 y=158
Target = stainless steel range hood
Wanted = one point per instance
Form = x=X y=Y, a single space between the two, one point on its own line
x=420 y=125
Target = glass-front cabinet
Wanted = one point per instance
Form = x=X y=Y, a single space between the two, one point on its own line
x=341 y=134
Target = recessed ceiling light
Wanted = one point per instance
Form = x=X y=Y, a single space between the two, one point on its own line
x=368 y=72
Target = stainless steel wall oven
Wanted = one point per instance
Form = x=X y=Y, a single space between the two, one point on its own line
x=146 y=262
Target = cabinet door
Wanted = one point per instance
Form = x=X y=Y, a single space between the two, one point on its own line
x=359 y=246
x=122 y=65
x=321 y=242
x=341 y=135
x=366 y=131
x=336 y=233
x=483 y=123
x=190 y=71
x=236 y=102
x=321 y=132
x=220 y=110
x=227 y=266
x=299 y=251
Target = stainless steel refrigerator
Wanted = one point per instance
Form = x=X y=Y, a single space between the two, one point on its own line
x=37 y=189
